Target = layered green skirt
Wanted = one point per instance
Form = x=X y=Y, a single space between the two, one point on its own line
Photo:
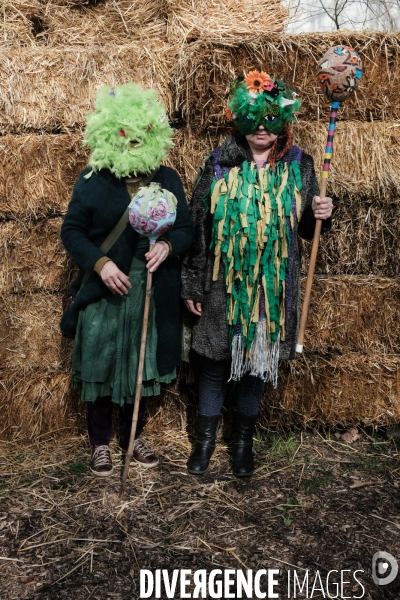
x=107 y=342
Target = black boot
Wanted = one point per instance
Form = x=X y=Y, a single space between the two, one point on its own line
x=243 y=465
x=206 y=428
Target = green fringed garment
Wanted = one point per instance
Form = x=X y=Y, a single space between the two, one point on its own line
x=251 y=235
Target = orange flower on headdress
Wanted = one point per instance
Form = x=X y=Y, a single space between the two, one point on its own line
x=255 y=81
x=228 y=114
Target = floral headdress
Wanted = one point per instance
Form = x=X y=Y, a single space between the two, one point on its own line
x=257 y=99
x=128 y=132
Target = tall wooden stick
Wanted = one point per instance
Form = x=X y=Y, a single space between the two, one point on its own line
x=139 y=379
x=318 y=224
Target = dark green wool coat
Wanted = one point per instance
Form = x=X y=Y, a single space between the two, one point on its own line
x=95 y=208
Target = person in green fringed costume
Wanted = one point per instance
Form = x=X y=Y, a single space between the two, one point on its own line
x=253 y=197
x=129 y=135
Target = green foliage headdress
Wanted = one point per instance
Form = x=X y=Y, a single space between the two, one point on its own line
x=256 y=100
x=128 y=132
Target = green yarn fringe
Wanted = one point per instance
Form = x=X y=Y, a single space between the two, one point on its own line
x=251 y=235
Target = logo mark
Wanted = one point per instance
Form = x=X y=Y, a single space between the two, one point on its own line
x=384 y=568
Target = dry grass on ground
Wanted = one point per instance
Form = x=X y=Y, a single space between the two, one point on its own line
x=314 y=502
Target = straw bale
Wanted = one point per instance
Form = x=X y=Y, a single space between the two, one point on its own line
x=51 y=89
x=189 y=152
x=36 y=402
x=347 y=314
x=53 y=163
x=364 y=163
x=205 y=19
x=37 y=173
x=30 y=334
x=351 y=389
x=348 y=390
x=206 y=69
x=366 y=229
x=365 y=160
x=63 y=22
x=354 y=314
x=32 y=257
x=364 y=240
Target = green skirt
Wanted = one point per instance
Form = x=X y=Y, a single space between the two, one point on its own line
x=107 y=342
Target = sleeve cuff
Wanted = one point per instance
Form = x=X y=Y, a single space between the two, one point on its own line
x=161 y=239
x=100 y=264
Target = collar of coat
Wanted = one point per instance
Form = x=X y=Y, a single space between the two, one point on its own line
x=235 y=150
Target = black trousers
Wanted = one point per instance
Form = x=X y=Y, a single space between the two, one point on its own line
x=213 y=383
x=99 y=420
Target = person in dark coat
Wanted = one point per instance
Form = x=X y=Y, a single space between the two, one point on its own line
x=128 y=135
x=253 y=197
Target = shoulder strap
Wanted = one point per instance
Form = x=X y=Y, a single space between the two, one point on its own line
x=121 y=225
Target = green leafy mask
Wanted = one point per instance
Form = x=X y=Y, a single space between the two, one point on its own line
x=256 y=100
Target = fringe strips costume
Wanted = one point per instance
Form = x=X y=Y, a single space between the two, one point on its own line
x=250 y=300
x=244 y=265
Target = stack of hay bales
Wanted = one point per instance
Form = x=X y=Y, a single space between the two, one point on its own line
x=54 y=55
x=53 y=58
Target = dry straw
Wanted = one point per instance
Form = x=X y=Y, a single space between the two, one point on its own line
x=350 y=373
x=364 y=240
x=354 y=314
x=348 y=390
x=190 y=151
x=63 y=22
x=364 y=164
x=351 y=389
x=206 y=69
x=32 y=257
x=366 y=157
x=36 y=402
x=30 y=333
x=347 y=314
x=204 y=19
x=38 y=173
x=51 y=89
x=361 y=242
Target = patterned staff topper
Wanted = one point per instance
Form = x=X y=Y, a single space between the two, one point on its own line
x=152 y=211
x=339 y=72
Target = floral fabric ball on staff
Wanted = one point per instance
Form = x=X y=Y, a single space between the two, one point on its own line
x=253 y=197
x=128 y=135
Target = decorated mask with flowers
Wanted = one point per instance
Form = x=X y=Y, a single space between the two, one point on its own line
x=128 y=132
x=257 y=99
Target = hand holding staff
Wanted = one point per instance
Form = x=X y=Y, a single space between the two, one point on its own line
x=139 y=379
x=152 y=213
x=339 y=73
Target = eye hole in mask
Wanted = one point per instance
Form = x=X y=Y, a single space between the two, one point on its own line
x=270 y=118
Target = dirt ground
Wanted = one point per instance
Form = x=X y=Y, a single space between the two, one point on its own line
x=316 y=502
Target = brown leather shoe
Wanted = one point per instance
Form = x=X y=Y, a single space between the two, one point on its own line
x=101 y=463
x=143 y=455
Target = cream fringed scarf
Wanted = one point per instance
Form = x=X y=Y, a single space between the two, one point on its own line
x=251 y=233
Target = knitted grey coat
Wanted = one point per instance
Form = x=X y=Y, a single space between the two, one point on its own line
x=210 y=333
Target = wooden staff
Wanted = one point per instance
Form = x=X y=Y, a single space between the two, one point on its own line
x=139 y=379
x=318 y=224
